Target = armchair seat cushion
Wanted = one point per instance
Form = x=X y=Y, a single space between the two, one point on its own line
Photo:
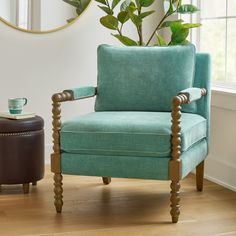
x=129 y=133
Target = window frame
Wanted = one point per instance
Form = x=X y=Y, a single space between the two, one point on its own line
x=195 y=38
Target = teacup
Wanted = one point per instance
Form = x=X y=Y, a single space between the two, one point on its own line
x=15 y=105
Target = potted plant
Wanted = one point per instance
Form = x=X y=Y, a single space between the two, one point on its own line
x=134 y=11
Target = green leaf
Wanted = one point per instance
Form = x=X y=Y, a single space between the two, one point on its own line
x=124 y=5
x=101 y=1
x=179 y=3
x=82 y=4
x=182 y=43
x=107 y=10
x=168 y=23
x=169 y=7
x=109 y=22
x=145 y=14
x=187 y=9
x=146 y=3
x=180 y=37
x=79 y=10
x=176 y=26
x=137 y=20
x=179 y=33
x=123 y=16
x=125 y=40
x=74 y=3
x=161 y=41
x=114 y=3
x=138 y=4
x=70 y=20
x=189 y=25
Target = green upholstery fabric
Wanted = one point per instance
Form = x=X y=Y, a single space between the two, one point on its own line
x=202 y=80
x=115 y=166
x=128 y=133
x=82 y=92
x=130 y=166
x=142 y=78
x=193 y=94
x=194 y=156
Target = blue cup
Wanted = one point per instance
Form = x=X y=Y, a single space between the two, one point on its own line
x=15 y=105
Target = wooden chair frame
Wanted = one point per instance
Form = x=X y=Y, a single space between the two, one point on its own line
x=175 y=164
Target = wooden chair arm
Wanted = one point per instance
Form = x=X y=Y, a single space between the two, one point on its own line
x=175 y=163
x=57 y=99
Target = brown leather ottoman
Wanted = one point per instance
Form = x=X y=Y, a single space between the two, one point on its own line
x=21 y=151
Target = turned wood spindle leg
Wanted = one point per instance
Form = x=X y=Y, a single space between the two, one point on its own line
x=200 y=176
x=26 y=188
x=175 y=199
x=58 y=190
x=175 y=164
x=55 y=157
x=106 y=180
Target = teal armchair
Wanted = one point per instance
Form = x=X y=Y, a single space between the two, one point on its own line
x=151 y=119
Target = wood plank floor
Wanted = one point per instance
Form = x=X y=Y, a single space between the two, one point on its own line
x=125 y=207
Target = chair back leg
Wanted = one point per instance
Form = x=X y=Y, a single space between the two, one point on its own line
x=106 y=180
x=200 y=176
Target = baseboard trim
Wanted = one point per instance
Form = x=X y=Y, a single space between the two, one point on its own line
x=221 y=172
x=217 y=181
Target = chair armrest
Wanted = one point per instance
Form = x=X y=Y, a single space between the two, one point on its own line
x=74 y=94
x=184 y=97
x=57 y=98
x=193 y=94
x=81 y=92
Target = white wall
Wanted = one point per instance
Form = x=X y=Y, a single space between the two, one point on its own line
x=221 y=162
x=36 y=66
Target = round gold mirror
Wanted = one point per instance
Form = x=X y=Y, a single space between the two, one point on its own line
x=41 y=16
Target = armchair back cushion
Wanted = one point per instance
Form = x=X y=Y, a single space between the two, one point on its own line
x=142 y=78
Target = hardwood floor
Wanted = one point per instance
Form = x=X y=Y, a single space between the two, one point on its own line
x=125 y=207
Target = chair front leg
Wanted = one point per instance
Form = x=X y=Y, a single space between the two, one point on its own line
x=175 y=199
x=175 y=164
x=58 y=190
x=56 y=155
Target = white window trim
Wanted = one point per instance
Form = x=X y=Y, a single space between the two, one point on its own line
x=29 y=11
x=218 y=86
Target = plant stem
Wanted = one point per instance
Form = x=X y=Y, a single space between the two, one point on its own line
x=119 y=31
x=140 y=35
x=140 y=29
x=162 y=20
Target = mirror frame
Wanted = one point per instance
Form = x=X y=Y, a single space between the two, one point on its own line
x=44 y=31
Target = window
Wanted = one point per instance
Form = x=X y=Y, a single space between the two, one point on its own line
x=217 y=36
x=23 y=13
